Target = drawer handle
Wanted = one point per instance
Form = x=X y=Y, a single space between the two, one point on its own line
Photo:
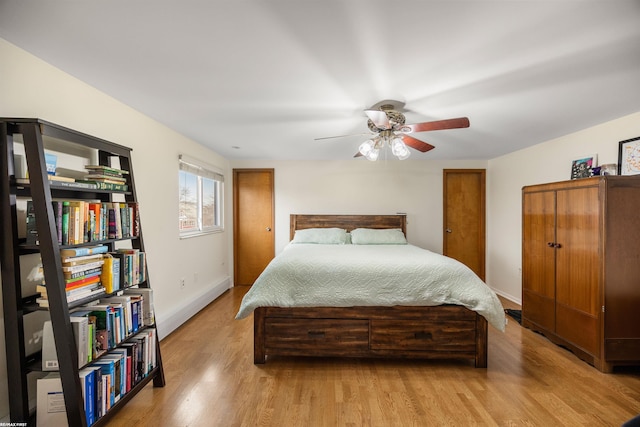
x=315 y=334
x=423 y=335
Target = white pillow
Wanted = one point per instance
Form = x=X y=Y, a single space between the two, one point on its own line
x=324 y=236
x=374 y=236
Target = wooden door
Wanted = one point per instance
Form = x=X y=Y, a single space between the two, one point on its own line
x=578 y=266
x=253 y=223
x=464 y=217
x=539 y=258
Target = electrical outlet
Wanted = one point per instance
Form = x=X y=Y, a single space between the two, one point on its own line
x=195 y=277
x=182 y=283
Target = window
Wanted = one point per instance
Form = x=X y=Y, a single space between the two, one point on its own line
x=201 y=199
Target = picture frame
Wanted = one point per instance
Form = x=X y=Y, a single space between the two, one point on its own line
x=629 y=157
x=581 y=168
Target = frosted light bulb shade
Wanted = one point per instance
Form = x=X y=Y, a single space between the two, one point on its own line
x=366 y=147
x=404 y=155
x=399 y=148
x=372 y=155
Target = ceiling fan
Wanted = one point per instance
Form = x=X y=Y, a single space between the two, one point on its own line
x=389 y=127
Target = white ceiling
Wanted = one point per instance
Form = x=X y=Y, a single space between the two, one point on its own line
x=269 y=76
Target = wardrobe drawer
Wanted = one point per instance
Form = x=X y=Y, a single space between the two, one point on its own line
x=418 y=335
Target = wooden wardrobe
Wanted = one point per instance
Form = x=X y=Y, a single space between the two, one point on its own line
x=581 y=267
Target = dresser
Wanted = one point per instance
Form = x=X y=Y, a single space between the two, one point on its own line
x=581 y=267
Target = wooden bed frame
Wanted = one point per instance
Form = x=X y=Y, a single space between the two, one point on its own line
x=440 y=332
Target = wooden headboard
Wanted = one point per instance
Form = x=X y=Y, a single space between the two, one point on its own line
x=348 y=222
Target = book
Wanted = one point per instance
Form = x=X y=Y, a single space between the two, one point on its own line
x=108 y=368
x=118 y=219
x=84 y=275
x=81 y=260
x=92 y=352
x=87 y=376
x=132 y=352
x=106 y=178
x=147 y=303
x=127 y=315
x=120 y=365
x=111 y=222
x=74 y=222
x=122 y=279
x=104 y=325
x=50 y=401
x=82 y=283
x=126 y=371
x=84 y=251
x=82 y=267
x=86 y=289
x=32 y=228
x=57 y=215
x=51 y=161
x=91 y=293
x=105 y=185
x=106 y=169
x=61 y=178
x=110 y=276
x=132 y=264
x=81 y=334
x=96 y=227
x=97 y=382
x=65 y=222
x=83 y=271
x=85 y=185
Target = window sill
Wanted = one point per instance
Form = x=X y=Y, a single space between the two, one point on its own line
x=200 y=233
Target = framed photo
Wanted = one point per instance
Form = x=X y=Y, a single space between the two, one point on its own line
x=629 y=157
x=581 y=168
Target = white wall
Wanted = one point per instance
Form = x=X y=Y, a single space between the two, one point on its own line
x=357 y=186
x=33 y=88
x=546 y=162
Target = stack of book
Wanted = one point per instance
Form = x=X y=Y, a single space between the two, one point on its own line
x=82 y=268
x=107 y=178
x=104 y=381
x=83 y=221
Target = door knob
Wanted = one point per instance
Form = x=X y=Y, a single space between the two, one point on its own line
x=448 y=230
x=268 y=228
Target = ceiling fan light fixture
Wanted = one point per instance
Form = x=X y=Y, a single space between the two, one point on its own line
x=372 y=155
x=399 y=149
x=366 y=147
x=390 y=129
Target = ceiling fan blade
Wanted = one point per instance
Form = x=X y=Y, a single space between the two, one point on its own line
x=461 y=122
x=379 y=118
x=342 y=136
x=417 y=144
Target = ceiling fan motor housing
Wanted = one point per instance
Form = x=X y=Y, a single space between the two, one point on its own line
x=396 y=119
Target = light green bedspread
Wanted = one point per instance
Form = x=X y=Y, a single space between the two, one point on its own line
x=312 y=275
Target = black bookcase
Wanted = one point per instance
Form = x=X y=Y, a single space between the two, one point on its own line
x=33 y=134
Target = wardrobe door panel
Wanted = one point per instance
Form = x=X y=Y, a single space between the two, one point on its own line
x=538 y=267
x=578 y=266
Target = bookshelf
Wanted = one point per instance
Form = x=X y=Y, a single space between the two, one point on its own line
x=36 y=137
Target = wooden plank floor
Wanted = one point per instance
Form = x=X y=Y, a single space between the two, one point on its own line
x=212 y=381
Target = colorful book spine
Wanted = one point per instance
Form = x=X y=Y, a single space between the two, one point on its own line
x=84 y=251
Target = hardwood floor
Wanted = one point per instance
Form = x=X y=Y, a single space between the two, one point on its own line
x=212 y=381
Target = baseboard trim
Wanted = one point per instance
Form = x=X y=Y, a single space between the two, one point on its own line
x=507 y=296
x=166 y=324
